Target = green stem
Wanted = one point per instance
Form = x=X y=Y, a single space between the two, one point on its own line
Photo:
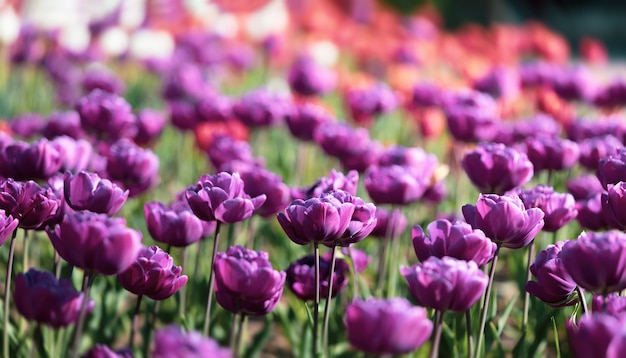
x=470 y=339
x=328 y=299
x=434 y=349
x=316 y=304
x=233 y=331
x=7 y=296
x=483 y=317
x=26 y=250
x=78 y=331
x=148 y=328
x=531 y=253
x=135 y=323
x=583 y=300
x=207 y=315
x=240 y=329
x=182 y=307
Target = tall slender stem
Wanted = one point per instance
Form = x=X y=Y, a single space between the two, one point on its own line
x=78 y=331
x=182 y=307
x=148 y=328
x=434 y=349
x=37 y=341
x=233 y=331
x=26 y=250
x=7 y=296
x=583 y=300
x=207 y=315
x=57 y=265
x=316 y=304
x=470 y=339
x=240 y=329
x=333 y=254
x=483 y=317
x=135 y=324
x=531 y=253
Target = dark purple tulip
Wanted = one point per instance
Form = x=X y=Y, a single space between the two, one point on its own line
x=613 y=304
x=27 y=125
x=456 y=240
x=96 y=243
x=102 y=351
x=426 y=95
x=389 y=223
x=171 y=342
x=551 y=153
x=495 y=168
x=592 y=334
x=558 y=208
x=106 y=115
x=594 y=149
x=365 y=104
x=553 y=284
x=104 y=80
x=306 y=117
x=597 y=261
x=575 y=83
x=584 y=186
x=360 y=161
x=611 y=95
x=153 y=274
x=22 y=161
x=584 y=128
x=175 y=225
x=262 y=108
x=445 y=283
x=63 y=124
x=183 y=114
x=8 y=224
x=536 y=126
x=538 y=73
x=41 y=297
x=614 y=205
x=76 y=154
x=471 y=116
x=612 y=169
x=221 y=197
x=392 y=326
x=413 y=157
x=135 y=168
x=150 y=125
x=214 y=108
x=323 y=220
x=259 y=181
x=363 y=219
x=181 y=205
x=300 y=277
x=435 y=193
x=240 y=56
x=395 y=184
x=184 y=82
x=500 y=82
x=246 y=282
x=225 y=149
x=590 y=215
x=334 y=181
x=87 y=191
x=340 y=140
x=504 y=219
x=308 y=78
x=617 y=347
x=27 y=202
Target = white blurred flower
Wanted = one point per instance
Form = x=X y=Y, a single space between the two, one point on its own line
x=151 y=44
x=114 y=41
x=324 y=52
x=9 y=26
x=270 y=19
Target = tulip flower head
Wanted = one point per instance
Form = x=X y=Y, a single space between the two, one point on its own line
x=87 y=191
x=553 y=284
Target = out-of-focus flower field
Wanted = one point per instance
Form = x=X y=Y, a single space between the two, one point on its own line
x=284 y=178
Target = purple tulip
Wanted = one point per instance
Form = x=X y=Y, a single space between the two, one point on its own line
x=308 y=78
x=392 y=326
x=389 y=223
x=611 y=95
x=575 y=83
x=334 y=181
x=495 y=168
x=471 y=116
x=395 y=184
x=106 y=115
x=553 y=284
x=426 y=95
x=42 y=298
x=500 y=82
x=259 y=181
x=558 y=208
x=504 y=219
x=613 y=304
x=27 y=125
x=183 y=114
x=445 y=283
x=540 y=125
x=413 y=157
x=456 y=240
x=221 y=197
x=87 y=191
x=592 y=334
x=551 y=153
x=171 y=341
x=63 y=124
x=134 y=168
x=590 y=215
x=584 y=186
x=597 y=261
x=322 y=220
x=262 y=108
x=184 y=82
x=361 y=161
x=175 y=225
x=246 y=282
x=225 y=149
x=585 y=128
x=594 y=149
x=363 y=218
x=8 y=224
x=150 y=125
x=21 y=161
x=612 y=169
x=104 y=80
x=95 y=242
x=304 y=120
x=300 y=277
x=76 y=154
x=613 y=205
x=340 y=140
x=153 y=274
x=29 y=203
x=214 y=107
x=367 y=103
